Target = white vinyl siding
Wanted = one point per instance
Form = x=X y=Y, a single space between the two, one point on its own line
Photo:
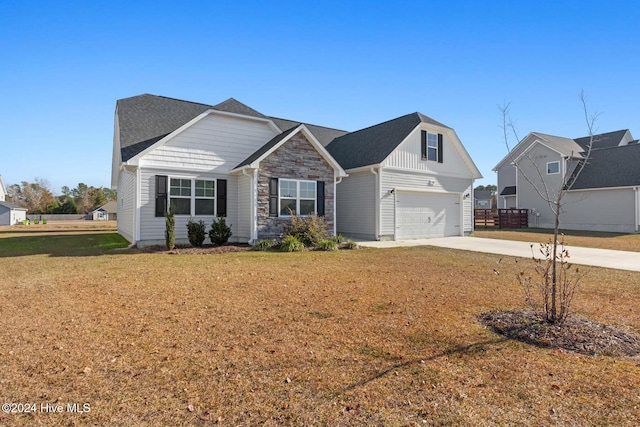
x=408 y=155
x=152 y=228
x=214 y=144
x=394 y=179
x=126 y=198
x=356 y=205
x=244 y=203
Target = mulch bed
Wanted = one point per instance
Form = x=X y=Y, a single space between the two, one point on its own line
x=203 y=250
x=576 y=334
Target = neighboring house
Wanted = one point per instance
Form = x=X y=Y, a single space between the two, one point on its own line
x=11 y=214
x=410 y=177
x=482 y=199
x=108 y=211
x=3 y=190
x=604 y=197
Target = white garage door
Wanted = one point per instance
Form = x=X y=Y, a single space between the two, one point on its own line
x=425 y=215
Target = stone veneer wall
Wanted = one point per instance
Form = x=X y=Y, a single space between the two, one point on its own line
x=295 y=159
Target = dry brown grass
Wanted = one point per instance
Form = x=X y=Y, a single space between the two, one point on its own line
x=371 y=337
x=587 y=239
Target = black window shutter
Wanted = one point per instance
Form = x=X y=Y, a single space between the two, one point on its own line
x=423 y=145
x=440 y=153
x=221 y=197
x=161 y=195
x=273 y=197
x=320 y=198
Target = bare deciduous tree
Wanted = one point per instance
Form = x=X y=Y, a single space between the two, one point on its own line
x=555 y=287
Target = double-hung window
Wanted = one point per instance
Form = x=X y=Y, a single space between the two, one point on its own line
x=180 y=196
x=432 y=146
x=205 y=202
x=297 y=197
x=192 y=196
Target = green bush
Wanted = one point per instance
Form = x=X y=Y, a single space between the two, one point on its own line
x=263 y=245
x=328 y=245
x=338 y=238
x=196 y=232
x=309 y=230
x=170 y=229
x=36 y=221
x=291 y=244
x=351 y=244
x=44 y=221
x=220 y=231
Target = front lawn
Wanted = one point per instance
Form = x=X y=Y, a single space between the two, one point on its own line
x=368 y=337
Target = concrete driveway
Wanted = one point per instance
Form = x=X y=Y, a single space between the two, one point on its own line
x=621 y=260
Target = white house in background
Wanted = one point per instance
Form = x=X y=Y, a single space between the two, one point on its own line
x=11 y=214
x=3 y=190
x=106 y=212
x=408 y=178
x=605 y=196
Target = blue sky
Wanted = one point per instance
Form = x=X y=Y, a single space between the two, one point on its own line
x=340 y=64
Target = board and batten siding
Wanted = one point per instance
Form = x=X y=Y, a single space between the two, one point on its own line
x=215 y=143
x=356 y=205
x=420 y=181
x=126 y=197
x=152 y=228
x=408 y=155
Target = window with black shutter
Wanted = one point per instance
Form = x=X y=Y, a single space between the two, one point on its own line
x=161 y=195
x=273 y=197
x=320 y=198
x=221 y=196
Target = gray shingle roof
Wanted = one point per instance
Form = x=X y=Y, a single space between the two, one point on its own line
x=603 y=140
x=611 y=167
x=508 y=191
x=372 y=145
x=146 y=119
x=12 y=206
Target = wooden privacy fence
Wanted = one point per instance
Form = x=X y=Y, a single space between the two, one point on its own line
x=501 y=218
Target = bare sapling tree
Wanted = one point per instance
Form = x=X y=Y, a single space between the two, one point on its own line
x=556 y=288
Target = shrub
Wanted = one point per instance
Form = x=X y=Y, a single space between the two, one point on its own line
x=263 y=245
x=309 y=230
x=36 y=221
x=328 y=245
x=170 y=229
x=44 y=221
x=291 y=244
x=351 y=244
x=338 y=238
x=220 y=231
x=196 y=232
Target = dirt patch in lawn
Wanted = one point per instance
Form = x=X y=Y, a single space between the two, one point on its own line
x=576 y=334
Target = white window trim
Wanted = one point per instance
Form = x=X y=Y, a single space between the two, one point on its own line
x=193 y=197
x=553 y=173
x=298 y=197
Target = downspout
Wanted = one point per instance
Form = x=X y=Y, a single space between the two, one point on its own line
x=136 y=214
x=637 y=189
x=377 y=202
x=336 y=181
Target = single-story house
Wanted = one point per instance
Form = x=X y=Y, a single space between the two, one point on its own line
x=108 y=211
x=409 y=177
x=482 y=199
x=11 y=214
x=604 y=196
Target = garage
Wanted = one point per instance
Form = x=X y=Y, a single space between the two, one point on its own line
x=422 y=215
